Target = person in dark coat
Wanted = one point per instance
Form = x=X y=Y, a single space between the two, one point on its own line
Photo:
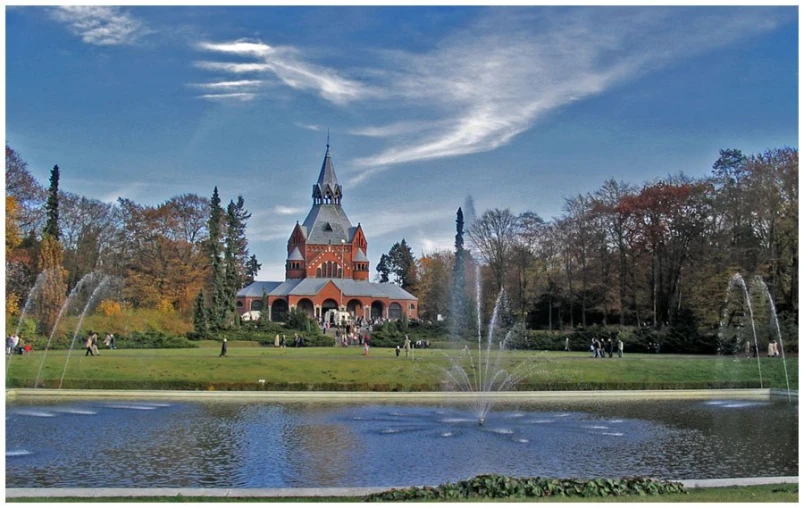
x=611 y=348
x=223 y=348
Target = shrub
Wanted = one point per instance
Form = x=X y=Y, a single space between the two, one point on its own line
x=501 y=487
x=109 y=308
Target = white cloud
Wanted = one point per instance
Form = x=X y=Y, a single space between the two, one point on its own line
x=102 y=26
x=287 y=64
x=491 y=82
x=230 y=85
x=237 y=96
x=288 y=210
x=309 y=126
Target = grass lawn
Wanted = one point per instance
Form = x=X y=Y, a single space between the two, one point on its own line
x=337 y=368
x=782 y=493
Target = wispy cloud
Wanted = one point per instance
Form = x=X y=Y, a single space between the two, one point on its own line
x=230 y=85
x=482 y=86
x=494 y=80
x=310 y=126
x=102 y=26
x=287 y=64
x=288 y=210
x=237 y=96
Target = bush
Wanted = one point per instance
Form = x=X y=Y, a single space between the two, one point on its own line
x=501 y=487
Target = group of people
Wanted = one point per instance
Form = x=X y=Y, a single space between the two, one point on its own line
x=91 y=343
x=15 y=345
x=600 y=347
x=350 y=336
x=408 y=346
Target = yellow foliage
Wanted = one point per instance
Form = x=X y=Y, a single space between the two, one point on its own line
x=12 y=304
x=110 y=308
x=165 y=306
x=13 y=237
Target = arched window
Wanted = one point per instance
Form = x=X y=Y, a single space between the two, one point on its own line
x=329 y=269
x=318 y=272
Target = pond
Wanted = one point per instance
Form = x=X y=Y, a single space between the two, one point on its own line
x=267 y=444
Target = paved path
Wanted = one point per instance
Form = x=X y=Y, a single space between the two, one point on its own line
x=307 y=492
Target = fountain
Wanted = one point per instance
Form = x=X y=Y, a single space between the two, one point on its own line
x=749 y=296
x=86 y=279
x=28 y=302
x=103 y=283
x=481 y=374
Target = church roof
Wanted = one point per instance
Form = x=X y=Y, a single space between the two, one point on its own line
x=296 y=255
x=360 y=256
x=327 y=189
x=327 y=223
x=312 y=286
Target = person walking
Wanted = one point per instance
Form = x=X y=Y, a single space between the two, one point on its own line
x=95 y=344
x=611 y=348
x=620 y=348
x=397 y=350
x=88 y=345
x=223 y=348
x=406 y=346
x=566 y=344
x=276 y=340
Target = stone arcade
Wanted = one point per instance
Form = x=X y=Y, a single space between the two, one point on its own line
x=327 y=267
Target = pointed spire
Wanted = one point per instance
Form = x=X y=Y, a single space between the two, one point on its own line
x=326 y=189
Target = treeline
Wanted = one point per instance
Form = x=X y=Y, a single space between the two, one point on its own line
x=165 y=256
x=657 y=255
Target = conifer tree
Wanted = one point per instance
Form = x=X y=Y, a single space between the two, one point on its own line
x=50 y=262
x=217 y=285
x=200 y=322
x=252 y=269
x=52 y=205
x=459 y=314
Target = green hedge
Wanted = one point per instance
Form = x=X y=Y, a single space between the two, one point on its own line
x=503 y=487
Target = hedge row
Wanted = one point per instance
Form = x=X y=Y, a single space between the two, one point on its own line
x=502 y=487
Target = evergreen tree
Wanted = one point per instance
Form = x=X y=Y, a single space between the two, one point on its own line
x=52 y=205
x=384 y=269
x=214 y=246
x=200 y=323
x=458 y=318
x=235 y=257
x=403 y=264
x=252 y=269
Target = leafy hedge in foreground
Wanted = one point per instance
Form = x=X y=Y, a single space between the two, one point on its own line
x=499 y=487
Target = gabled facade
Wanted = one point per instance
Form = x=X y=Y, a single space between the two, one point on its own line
x=327 y=266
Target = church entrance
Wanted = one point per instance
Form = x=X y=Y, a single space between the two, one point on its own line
x=329 y=304
x=279 y=310
x=377 y=309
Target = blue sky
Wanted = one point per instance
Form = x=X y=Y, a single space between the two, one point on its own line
x=519 y=107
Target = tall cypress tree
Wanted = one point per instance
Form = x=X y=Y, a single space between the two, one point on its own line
x=459 y=315
x=52 y=205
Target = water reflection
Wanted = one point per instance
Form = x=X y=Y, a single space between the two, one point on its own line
x=236 y=444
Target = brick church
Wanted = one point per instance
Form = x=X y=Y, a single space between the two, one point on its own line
x=327 y=267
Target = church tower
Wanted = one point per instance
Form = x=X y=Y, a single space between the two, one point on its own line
x=326 y=245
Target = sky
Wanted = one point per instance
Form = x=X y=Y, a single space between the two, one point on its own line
x=518 y=107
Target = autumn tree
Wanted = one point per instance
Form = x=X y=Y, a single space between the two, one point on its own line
x=53 y=291
x=434 y=281
x=493 y=235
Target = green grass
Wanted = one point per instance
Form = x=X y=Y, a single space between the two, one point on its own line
x=781 y=493
x=339 y=368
